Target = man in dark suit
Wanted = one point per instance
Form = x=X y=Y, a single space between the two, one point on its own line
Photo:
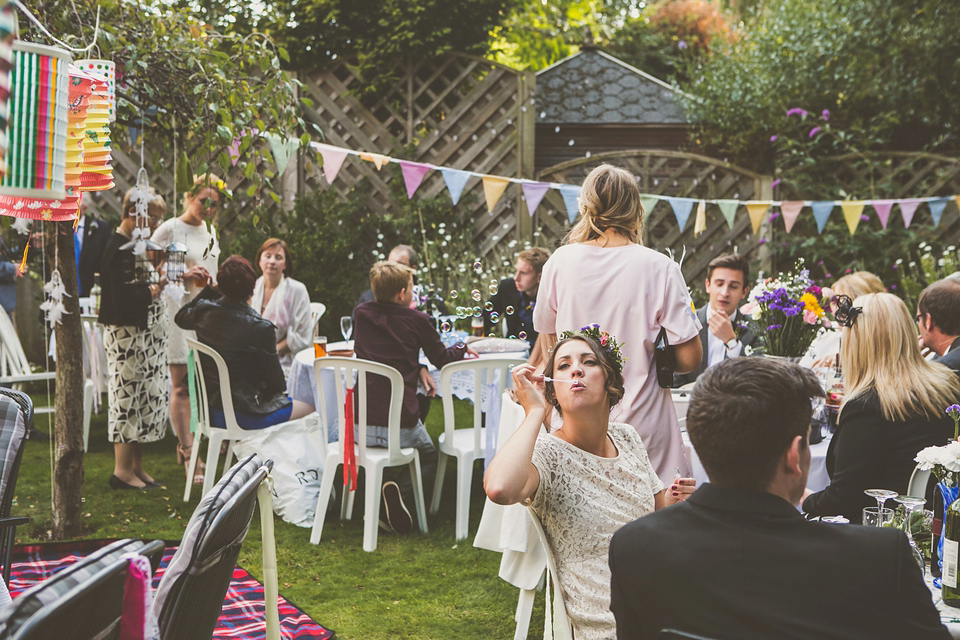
x=938 y=316
x=722 y=335
x=519 y=293
x=737 y=560
x=91 y=239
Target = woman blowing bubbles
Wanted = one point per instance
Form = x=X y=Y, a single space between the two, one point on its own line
x=585 y=480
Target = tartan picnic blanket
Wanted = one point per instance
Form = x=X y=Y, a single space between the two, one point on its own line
x=243 y=611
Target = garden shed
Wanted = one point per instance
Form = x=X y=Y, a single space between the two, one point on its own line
x=592 y=101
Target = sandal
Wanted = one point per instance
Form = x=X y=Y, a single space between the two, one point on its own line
x=183 y=457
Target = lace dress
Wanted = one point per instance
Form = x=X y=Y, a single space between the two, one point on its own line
x=582 y=501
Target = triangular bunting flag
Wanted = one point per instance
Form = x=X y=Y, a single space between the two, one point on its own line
x=413 y=173
x=681 y=209
x=492 y=190
x=282 y=149
x=882 y=207
x=729 y=210
x=332 y=161
x=756 y=211
x=377 y=159
x=790 y=211
x=937 y=206
x=700 y=222
x=571 y=199
x=455 y=180
x=533 y=193
x=851 y=213
x=821 y=211
x=907 y=209
x=648 y=203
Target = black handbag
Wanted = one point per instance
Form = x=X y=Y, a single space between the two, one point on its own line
x=665 y=360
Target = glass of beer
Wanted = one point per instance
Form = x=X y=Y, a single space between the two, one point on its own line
x=320 y=347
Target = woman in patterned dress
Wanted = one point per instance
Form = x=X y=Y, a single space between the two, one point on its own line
x=586 y=479
x=134 y=322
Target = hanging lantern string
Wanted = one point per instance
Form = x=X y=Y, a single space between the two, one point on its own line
x=43 y=29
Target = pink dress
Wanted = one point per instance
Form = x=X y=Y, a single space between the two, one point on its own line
x=630 y=291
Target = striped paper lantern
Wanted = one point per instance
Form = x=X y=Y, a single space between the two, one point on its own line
x=108 y=69
x=8 y=26
x=97 y=167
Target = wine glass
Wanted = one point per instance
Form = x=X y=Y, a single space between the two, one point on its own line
x=346 y=328
x=881 y=496
x=910 y=504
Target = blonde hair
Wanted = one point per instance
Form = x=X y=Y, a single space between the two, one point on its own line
x=200 y=181
x=388 y=278
x=858 y=284
x=609 y=199
x=880 y=352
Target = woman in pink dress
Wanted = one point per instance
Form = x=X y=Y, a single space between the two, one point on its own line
x=604 y=275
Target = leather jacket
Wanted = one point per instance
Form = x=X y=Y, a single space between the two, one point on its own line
x=248 y=344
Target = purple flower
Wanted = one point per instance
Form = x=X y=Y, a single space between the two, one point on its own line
x=814 y=131
x=826 y=115
x=864 y=218
x=774 y=326
x=797 y=111
x=775 y=183
x=682 y=45
x=774 y=216
x=762 y=241
x=773 y=138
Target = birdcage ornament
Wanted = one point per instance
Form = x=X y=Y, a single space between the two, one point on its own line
x=176 y=262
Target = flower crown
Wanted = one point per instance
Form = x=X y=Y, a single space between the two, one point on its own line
x=607 y=342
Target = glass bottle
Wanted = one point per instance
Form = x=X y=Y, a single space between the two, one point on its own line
x=951 y=556
x=95 y=294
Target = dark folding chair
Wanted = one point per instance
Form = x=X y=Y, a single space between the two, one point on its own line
x=82 y=602
x=189 y=598
x=16 y=420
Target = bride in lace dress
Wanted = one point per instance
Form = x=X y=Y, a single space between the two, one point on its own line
x=586 y=479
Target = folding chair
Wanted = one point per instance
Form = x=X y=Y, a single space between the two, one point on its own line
x=82 y=602
x=189 y=598
x=16 y=418
x=469 y=444
x=216 y=435
x=373 y=460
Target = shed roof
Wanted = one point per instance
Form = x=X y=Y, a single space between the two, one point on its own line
x=593 y=87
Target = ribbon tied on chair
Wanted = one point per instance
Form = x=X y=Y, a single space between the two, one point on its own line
x=349 y=451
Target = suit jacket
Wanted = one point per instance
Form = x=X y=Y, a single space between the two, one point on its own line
x=952 y=357
x=508 y=296
x=734 y=564
x=744 y=335
x=96 y=234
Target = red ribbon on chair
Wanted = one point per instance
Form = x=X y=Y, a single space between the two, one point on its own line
x=349 y=451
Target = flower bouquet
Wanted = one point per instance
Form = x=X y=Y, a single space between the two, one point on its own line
x=785 y=312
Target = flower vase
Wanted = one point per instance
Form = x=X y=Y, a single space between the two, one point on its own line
x=948 y=495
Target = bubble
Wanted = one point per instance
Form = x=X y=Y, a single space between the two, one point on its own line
x=512 y=337
x=445 y=326
x=570 y=143
x=494 y=317
x=509 y=311
x=556 y=129
x=460 y=343
x=478 y=266
x=477 y=312
x=475 y=294
x=522 y=335
x=543 y=114
x=453 y=293
x=488 y=306
x=492 y=289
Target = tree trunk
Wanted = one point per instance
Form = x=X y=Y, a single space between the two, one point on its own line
x=68 y=424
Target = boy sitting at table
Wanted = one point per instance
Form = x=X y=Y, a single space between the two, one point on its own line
x=390 y=332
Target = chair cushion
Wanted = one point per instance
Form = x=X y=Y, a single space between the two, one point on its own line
x=210 y=505
x=12 y=431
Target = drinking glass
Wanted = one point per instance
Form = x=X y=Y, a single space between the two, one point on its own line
x=910 y=504
x=881 y=495
x=320 y=347
x=346 y=327
x=874 y=517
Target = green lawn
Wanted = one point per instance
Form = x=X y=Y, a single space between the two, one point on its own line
x=420 y=586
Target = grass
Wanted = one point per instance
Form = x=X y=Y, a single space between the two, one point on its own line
x=419 y=586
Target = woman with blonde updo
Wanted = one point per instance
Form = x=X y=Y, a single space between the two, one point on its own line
x=200 y=205
x=604 y=275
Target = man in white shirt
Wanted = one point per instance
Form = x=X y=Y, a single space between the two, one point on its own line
x=722 y=335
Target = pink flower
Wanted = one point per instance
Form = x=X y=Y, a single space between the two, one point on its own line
x=773 y=138
x=797 y=111
x=603 y=340
x=775 y=183
x=749 y=308
x=826 y=115
x=814 y=131
x=809 y=317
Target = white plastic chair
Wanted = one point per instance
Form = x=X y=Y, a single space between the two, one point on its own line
x=317 y=309
x=554 y=612
x=917 y=486
x=373 y=460
x=215 y=435
x=467 y=445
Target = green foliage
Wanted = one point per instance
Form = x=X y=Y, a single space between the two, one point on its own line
x=888 y=73
x=651 y=50
x=184 y=79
